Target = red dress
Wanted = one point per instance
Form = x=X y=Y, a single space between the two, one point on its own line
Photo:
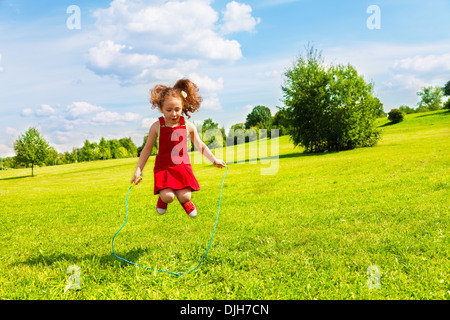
x=172 y=166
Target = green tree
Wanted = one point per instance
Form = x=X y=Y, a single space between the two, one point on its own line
x=52 y=157
x=129 y=145
x=446 y=89
x=113 y=146
x=329 y=108
x=259 y=114
x=155 y=146
x=396 y=115
x=104 y=151
x=406 y=109
x=431 y=99
x=87 y=151
x=211 y=134
x=31 y=148
x=281 y=122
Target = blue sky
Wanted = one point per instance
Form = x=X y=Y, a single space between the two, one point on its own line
x=93 y=82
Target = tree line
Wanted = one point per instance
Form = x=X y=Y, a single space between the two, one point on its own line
x=32 y=149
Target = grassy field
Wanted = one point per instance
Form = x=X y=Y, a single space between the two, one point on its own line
x=310 y=231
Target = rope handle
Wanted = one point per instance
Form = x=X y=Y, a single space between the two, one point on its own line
x=139 y=180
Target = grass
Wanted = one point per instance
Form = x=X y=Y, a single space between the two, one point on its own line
x=310 y=231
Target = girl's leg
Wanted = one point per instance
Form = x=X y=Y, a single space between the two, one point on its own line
x=184 y=196
x=165 y=196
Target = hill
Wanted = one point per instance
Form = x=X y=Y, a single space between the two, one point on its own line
x=310 y=231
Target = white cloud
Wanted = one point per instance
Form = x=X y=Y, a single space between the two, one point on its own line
x=109 y=58
x=424 y=64
x=114 y=118
x=45 y=110
x=79 y=109
x=6 y=151
x=12 y=132
x=186 y=28
x=238 y=17
x=206 y=84
x=1 y=68
x=164 y=40
x=147 y=122
x=212 y=102
x=27 y=112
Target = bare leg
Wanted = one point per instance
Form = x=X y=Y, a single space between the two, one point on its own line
x=184 y=195
x=167 y=195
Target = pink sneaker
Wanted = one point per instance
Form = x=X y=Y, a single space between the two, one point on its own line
x=161 y=206
x=190 y=209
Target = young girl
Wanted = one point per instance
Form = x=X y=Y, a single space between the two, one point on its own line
x=173 y=172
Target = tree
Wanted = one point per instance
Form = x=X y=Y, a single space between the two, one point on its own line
x=396 y=115
x=406 y=109
x=446 y=89
x=31 y=148
x=128 y=144
x=431 y=99
x=330 y=108
x=210 y=133
x=104 y=151
x=259 y=114
x=281 y=122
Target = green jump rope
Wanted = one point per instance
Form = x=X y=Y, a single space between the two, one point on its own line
x=173 y=273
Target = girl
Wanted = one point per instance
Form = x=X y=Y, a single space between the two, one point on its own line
x=173 y=172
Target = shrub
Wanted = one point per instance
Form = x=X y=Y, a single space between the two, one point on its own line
x=396 y=115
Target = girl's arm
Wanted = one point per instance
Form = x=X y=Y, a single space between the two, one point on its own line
x=203 y=148
x=145 y=153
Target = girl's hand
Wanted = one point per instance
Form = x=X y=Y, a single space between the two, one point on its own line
x=137 y=177
x=220 y=163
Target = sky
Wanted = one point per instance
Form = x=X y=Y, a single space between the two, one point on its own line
x=78 y=70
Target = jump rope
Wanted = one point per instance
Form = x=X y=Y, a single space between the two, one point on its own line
x=173 y=273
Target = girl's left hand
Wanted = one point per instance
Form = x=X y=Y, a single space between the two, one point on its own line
x=220 y=163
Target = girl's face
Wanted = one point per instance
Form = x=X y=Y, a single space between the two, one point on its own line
x=172 y=109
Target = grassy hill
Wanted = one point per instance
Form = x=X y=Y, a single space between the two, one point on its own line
x=310 y=231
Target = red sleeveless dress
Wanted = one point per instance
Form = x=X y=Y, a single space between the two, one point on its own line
x=172 y=166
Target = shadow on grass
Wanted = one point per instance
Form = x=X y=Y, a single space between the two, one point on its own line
x=283 y=156
x=388 y=124
x=434 y=114
x=42 y=259
x=16 y=178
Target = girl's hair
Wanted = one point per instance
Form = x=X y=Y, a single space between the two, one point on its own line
x=184 y=89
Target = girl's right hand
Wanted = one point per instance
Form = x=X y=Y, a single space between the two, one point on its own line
x=219 y=163
x=137 y=177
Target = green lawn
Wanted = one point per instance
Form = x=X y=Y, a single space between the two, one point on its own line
x=310 y=231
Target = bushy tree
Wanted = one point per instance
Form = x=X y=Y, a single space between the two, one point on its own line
x=431 y=99
x=446 y=89
x=31 y=148
x=406 y=109
x=281 y=121
x=259 y=114
x=129 y=145
x=211 y=134
x=396 y=115
x=330 y=108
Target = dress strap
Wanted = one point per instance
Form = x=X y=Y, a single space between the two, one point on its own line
x=162 y=122
x=182 y=121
